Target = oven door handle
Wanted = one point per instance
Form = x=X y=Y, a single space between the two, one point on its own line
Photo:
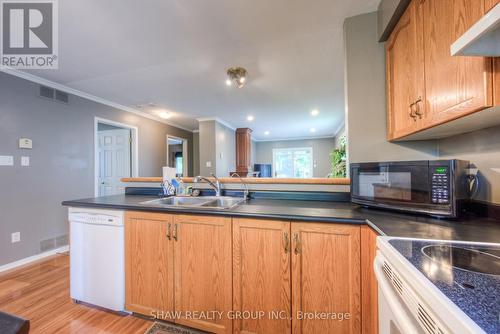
x=404 y=321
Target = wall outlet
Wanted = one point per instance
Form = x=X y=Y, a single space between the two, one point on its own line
x=15 y=237
x=25 y=143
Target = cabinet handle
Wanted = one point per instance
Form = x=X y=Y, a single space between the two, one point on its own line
x=298 y=245
x=286 y=241
x=412 y=113
x=417 y=107
x=175 y=232
x=169 y=236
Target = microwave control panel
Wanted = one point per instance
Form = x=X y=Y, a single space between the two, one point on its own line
x=440 y=185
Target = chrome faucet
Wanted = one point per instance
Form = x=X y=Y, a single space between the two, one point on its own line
x=246 y=192
x=216 y=185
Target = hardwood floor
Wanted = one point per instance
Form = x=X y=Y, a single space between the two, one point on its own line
x=40 y=292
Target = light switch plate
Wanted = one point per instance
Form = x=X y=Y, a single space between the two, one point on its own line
x=6 y=160
x=25 y=161
x=25 y=143
x=208 y=164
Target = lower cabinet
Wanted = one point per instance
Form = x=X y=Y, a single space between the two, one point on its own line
x=240 y=275
x=178 y=268
x=261 y=276
x=149 y=263
x=202 y=271
x=302 y=277
x=326 y=285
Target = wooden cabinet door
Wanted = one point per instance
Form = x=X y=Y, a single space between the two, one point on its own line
x=496 y=81
x=203 y=272
x=149 y=264
x=405 y=75
x=369 y=287
x=261 y=275
x=455 y=86
x=489 y=4
x=325 y=278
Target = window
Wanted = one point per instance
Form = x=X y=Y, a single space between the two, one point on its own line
x=293 y=162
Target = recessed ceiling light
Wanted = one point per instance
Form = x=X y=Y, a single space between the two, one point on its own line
x=250 y=118
x=228 y=82
x=313 y=130
x=164 y=115
x=266 y=133
x=314 y=112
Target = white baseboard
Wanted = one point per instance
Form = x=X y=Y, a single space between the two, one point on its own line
x=33 y=258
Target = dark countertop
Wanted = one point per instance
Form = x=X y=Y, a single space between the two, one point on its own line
x=384 y=222
x=477 y=294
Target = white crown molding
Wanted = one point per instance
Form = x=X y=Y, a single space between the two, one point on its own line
x=341 y=126
x=217 y=119
x=297 y=138
x=72 y=91
x=33 y=258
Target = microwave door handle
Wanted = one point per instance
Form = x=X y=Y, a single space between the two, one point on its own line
x=404 y=321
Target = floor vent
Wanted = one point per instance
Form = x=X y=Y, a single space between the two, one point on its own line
x=53 y=94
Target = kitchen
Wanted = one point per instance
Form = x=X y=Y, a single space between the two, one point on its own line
x=344 y=186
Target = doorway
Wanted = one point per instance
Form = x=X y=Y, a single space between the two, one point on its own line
x=115 y=149
x=177 y=155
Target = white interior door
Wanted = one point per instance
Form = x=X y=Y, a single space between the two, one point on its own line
x=114 y=160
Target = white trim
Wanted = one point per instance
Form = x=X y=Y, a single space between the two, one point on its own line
x=217 y=119
x=185 y=154
x=134 y=154
x=33 y=258
x=298 y=138
x=72 y=91
x=341 y=126
x=196 y=131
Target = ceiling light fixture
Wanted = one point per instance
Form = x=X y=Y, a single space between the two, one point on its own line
x=164 y=115
x=250 y=118
x=266 y=133
x=237 y=75
x=313 y=130
x=314 y=112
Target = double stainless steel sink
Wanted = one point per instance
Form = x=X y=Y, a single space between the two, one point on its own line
x=202 y=202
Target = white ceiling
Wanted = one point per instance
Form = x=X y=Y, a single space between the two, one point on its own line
x=174 y=53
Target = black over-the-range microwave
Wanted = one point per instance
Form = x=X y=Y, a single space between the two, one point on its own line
x=438 y=188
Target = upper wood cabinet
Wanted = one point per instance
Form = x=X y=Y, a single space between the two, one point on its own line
x=326 y=277
x=405 y=82
x=149 y=266
x=261 y=275
x=455 y=86
x=423 y=79
x=489 y=4
x=243 y=151
x=203 y=270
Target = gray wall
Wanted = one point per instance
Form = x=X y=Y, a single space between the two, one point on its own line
x=196 y=153
x=62 y=160
x=482 y=148
x=321 y=152
x=217 y=144
x=366 y=104
x=225 y=150
x=366 y=117
x=207 y=147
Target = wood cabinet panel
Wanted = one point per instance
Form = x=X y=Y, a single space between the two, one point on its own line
x=369 y=287
x=203 y=271
x=496 y=81
x=261 y=275
x=405 y=69
x=148 y=263
x=243 y=151
x=489 y=4
x=455 y=86
x=326 y=277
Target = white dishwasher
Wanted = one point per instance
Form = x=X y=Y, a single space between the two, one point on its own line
x=97 y=257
